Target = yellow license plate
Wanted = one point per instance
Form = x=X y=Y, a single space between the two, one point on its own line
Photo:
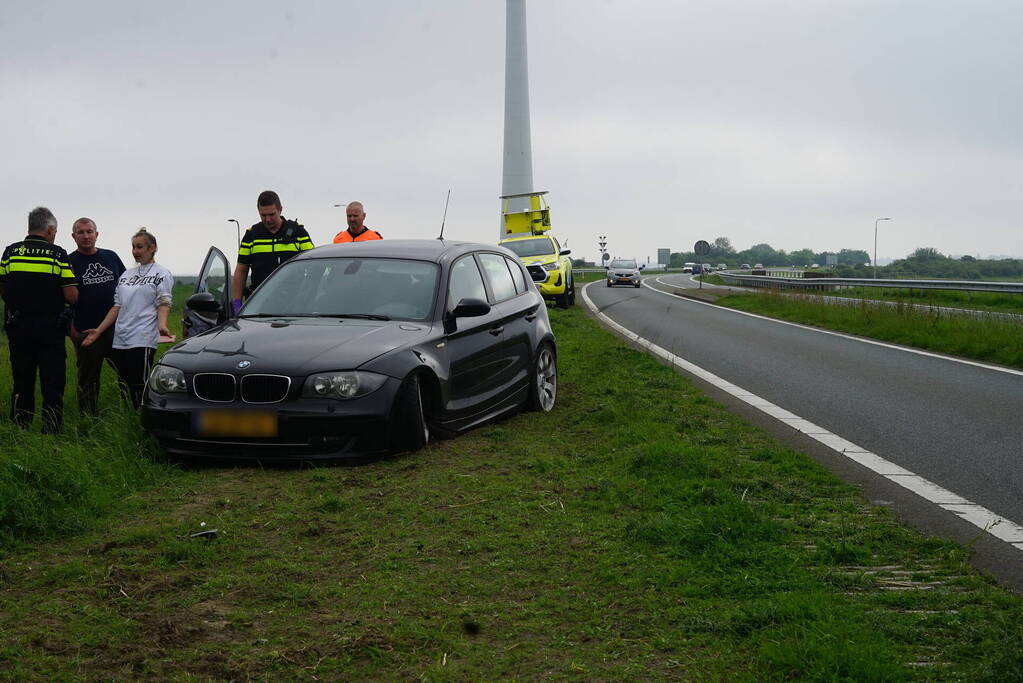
x=224 y=423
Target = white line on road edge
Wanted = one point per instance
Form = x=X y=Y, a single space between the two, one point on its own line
x=999 y=527
x=919 y=352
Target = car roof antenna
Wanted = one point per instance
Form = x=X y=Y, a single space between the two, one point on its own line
x=445 y=218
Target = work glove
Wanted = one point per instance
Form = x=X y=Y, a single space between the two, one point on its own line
x=236 y=305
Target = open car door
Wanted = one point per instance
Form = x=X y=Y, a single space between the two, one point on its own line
x=210 y=305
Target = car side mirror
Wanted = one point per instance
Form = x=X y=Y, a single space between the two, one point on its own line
x=642 y=266
x=566 y=252
x=203 y=302
x=470 y=308
x=607 y=267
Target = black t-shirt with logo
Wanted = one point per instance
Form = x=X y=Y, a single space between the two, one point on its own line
x=97 y=279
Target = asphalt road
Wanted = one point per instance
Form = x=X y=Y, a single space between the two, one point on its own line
x=955 y=424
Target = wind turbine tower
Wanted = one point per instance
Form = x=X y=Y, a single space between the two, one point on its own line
x=518 y=153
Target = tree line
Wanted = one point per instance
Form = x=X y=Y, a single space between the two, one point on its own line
x=925 y=262
x=722 y=251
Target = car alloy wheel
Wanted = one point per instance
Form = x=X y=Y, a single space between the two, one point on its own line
x=543 y=392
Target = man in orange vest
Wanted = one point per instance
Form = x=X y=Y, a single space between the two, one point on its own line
x=356 y=232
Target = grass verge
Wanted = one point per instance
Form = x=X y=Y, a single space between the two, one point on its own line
x=976 y=301
x=987 y=339
x=638 y=532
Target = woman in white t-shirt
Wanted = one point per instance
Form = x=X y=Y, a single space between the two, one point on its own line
x=142 y=302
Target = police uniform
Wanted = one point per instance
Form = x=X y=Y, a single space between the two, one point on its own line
x=34 y=274
x=262 y=251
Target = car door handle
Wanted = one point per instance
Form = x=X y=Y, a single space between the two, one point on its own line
x=530 y=317
x=496 y=330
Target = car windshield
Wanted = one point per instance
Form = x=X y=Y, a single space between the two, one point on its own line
x=539 y=246
x=373 y=288
x=624 y=263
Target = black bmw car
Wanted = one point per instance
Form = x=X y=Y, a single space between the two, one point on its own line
x=353 y=350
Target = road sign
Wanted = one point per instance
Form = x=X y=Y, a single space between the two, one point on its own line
x=702 y=248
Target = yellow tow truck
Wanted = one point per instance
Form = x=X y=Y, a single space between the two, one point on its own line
x=527 y=234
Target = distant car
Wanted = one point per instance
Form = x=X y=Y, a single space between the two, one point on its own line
x=352 y=350
x=744 y=266
x=758 y=266
x=814 y=265
x=688 y=267
x=721 y=266
x=707 y=268
x=623 y=272
x=548 y=265
x=697 y=268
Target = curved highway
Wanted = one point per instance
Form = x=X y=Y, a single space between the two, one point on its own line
x=955 y=425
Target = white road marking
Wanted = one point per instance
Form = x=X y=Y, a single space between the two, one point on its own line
x=919 y=352
x=984 y=519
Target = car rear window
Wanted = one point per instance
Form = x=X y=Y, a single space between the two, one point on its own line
x=500 y=278
x=517 y=276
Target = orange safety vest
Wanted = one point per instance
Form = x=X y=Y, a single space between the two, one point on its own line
x=364 y=236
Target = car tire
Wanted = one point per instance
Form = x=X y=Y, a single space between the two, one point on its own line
x=568 y=298
x=608 y=284
x=543 y=380
x=637 y=285
x=408 y=420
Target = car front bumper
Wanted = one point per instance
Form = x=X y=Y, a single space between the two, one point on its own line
x=292 y=430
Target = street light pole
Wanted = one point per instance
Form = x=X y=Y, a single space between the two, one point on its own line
x=237 y=229
x=875 y=243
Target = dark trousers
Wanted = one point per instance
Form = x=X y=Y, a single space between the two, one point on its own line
x=37 y=345
x=133 y=366
x=90 y=366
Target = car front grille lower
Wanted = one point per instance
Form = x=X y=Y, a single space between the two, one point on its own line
x=537 y=273
x=214 y=386
x=222 y=387
x=265 y=388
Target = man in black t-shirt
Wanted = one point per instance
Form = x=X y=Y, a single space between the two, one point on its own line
x=266 y=245
x=97 y=271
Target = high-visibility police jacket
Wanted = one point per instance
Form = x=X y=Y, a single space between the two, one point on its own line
x=34 y=274
x=364 y=236
x=262 y=251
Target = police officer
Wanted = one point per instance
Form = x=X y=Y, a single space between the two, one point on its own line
x=266 y=245
x=355 y=214
x=37 y=283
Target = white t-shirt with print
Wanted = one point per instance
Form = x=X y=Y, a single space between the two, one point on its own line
x=139 y=291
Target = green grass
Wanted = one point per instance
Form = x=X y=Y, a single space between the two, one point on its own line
x=638 y=532
x=54 y=486
x=977 y=337
x=977 y=301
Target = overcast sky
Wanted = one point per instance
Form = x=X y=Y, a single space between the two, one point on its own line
x=655 y=123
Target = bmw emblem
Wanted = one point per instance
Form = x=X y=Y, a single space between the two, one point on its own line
x=244 y=364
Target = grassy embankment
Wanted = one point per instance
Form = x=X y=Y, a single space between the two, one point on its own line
x=977 y=301
x=980 y=338
x=639 y=532
x=60 y=485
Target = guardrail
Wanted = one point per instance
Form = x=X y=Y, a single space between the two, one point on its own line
x=819 y=284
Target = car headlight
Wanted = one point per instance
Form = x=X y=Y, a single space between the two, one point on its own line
x=551 y=266
x=346 y=384
x=167 y=380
